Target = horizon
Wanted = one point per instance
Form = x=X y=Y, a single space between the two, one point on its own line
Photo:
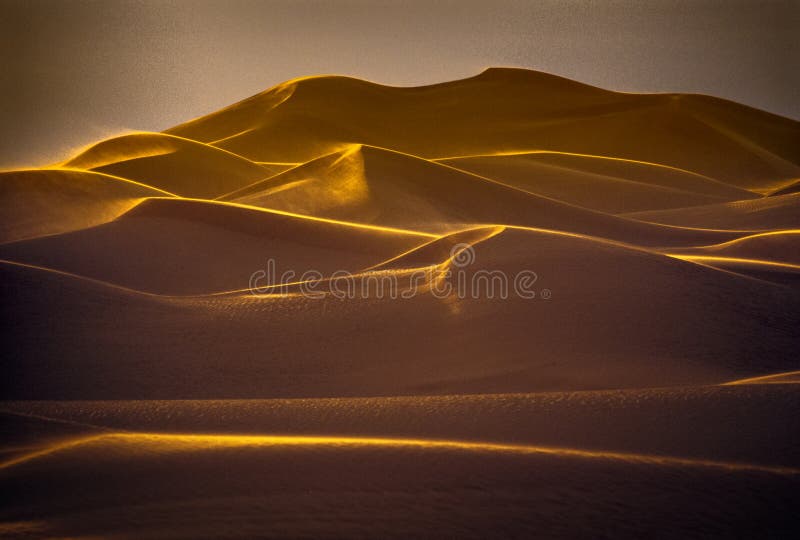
x=80 y=72
x=75 y=151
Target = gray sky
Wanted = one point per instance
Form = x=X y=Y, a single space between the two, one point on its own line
x=77 y=71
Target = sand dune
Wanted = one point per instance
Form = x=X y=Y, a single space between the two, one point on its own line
x=768 y=213
x=607 y=185
x=172 y=246
x=512 y=110
x=772 y=256
x=40 y=202
x=373 y=185
x=178 y=165
x=322 y=485
x=519 y=306
x=619 y=421
x=575 y=339
x=391 y=491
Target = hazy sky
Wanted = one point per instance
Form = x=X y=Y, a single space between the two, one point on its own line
x=77 y=71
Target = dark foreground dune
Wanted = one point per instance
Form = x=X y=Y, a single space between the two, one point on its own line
x=604 y=464
x=508 y=306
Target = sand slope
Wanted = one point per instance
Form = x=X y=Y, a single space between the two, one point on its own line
x=768 y=213
x=512 y=110
x=529 y=458
x=48 y=201
x=608 y=185
x=373 y=185
x=792 y=187
x=519 y=306
x=217 y=487
x=577 y=337
x=620 y=421
x=179 y=246
x=178 y=165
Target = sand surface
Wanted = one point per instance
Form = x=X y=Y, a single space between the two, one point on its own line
x=512 y=305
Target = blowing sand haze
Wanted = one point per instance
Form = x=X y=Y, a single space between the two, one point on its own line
x=511 y=305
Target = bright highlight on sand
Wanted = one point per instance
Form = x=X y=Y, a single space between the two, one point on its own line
x=163 y=442
x=591 y=295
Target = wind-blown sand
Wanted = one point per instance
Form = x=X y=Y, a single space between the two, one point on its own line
x=644 y=385
x=49 y=201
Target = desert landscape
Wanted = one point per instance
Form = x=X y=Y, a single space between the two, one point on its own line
x=512 y=305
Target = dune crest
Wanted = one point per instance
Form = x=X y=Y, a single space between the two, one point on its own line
x=363 y=184
x=41 y=202
x=511 y=305
x=175 y=164
x=513 y=110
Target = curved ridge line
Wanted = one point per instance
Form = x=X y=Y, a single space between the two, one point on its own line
x=495 y=230
x=233 y=292
x=157 y=133
x=621 y=218
x=344 y=151
x=750 y=236
x=228 y=441
x=592 y=156
x=765 y=379
x=756 y=262
x=98 y=173
x=351 y=224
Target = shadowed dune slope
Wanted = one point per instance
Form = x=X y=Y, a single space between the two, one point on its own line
x=512 y=305
x=174 y=488
x=179 y=246
x=742 y=422
x=793 y=187
x=178 y=165
x=767 y=213
x=575 y=334
x=40 y=202
x=607 y=185
x=512 y=110
x=373 y=185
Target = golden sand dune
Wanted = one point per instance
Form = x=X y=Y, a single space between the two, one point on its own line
x=178 y=165
x=364 y=184
x=605 y=184
x=237 y=485
x=768 y=213
x=50 y=201
x=504 y=110
x=575 y=334
x=519 y=306
x=181 y=246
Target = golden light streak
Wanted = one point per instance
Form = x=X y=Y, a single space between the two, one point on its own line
x=735 y=260
x=313 y=218
x=787 y=377
x=178 y=442
x=102 y=174
x=735 y=241
x=121 y=156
